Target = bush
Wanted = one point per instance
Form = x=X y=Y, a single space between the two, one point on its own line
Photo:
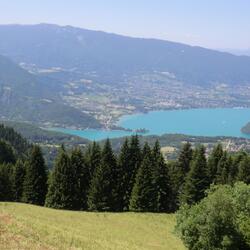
x=219 y=221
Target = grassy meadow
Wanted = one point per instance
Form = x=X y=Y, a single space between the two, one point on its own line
x=25 y=226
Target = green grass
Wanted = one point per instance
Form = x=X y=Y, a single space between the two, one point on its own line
x=30 y=227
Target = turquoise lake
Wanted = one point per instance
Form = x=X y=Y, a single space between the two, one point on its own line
x=198 y=122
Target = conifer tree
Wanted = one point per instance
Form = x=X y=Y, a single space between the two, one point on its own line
x=197 y=179
x=178 y=172
x=124 y=175
x=61 y=190
x=222 y=174
x=6 y=153
x=81 y=178
x=244 y=170
x=35 y=179
x=103 y=188
x=185 y=158
x=213 y=162
x=232 y=171
x=18 y=179
x=6 y=192
x=161 y=179
x=234 y=168
x=144 y=194
x=92 y=158
x=174 y=175
x=133 y=164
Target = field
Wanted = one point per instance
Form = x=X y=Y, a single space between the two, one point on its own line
x=30 y=227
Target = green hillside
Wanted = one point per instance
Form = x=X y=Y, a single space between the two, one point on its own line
x=36 y=134
x=29 y=98
x=31 y=227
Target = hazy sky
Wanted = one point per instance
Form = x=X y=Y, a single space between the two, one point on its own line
x=209 y=23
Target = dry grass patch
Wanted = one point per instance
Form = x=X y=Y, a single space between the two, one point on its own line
x=31 y=227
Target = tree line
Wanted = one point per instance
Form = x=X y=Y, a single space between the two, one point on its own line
x=136 y=179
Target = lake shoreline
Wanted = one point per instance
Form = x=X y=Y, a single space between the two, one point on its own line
x=197 y=122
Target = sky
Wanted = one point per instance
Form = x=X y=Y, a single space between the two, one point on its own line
x=217 y=24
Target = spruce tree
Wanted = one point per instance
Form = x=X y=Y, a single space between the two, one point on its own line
x=178 y=172
x=124 y=175
x=232 y=172
x=62 y=184
x=234 y=168
x=6 y=153
x=81 y=178
x=18 y=179
x=244 y=170
x=185 y=158
x=103 y=188
x=144 y=194
x=213 y=162
x=6 y=192
x=174 y=175
x=92 y=158
x=161 y=179
x=132 y=166
x=35 y=179
x=222 y=174
x=197 y=179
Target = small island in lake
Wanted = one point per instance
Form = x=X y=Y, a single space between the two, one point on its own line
x=246 y=129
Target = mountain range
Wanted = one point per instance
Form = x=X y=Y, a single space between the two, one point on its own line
x=112 y=56
x=38 y=63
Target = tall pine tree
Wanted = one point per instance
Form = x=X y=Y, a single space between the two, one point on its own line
x=178 y=171
x=6 y=192
x=81 y=179
x=235 y=166
x=213 y=162
x=6 y=153
x=125 y=175
x=244 y=170
x=185 y=158
x=144 y=197
x=134 y=160
x=18 y=179
x=197 y=179
x=92 y=157
x=103 y=193
x=62 y=184
x=35 y=179
x=222 y=175
x=161 y=179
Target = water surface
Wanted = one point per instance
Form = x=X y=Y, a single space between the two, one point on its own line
x=198 y=122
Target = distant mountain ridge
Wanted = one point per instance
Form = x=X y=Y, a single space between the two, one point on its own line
x=113 y=56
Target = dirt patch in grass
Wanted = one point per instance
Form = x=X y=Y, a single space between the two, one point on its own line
x=11 y=240
x=5 y=219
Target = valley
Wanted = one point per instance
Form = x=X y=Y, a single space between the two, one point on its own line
x=93 y=78
x=145 y=92
x=124 y=125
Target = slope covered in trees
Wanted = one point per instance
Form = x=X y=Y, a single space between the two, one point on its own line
x=135 y=179
x=17 y=142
